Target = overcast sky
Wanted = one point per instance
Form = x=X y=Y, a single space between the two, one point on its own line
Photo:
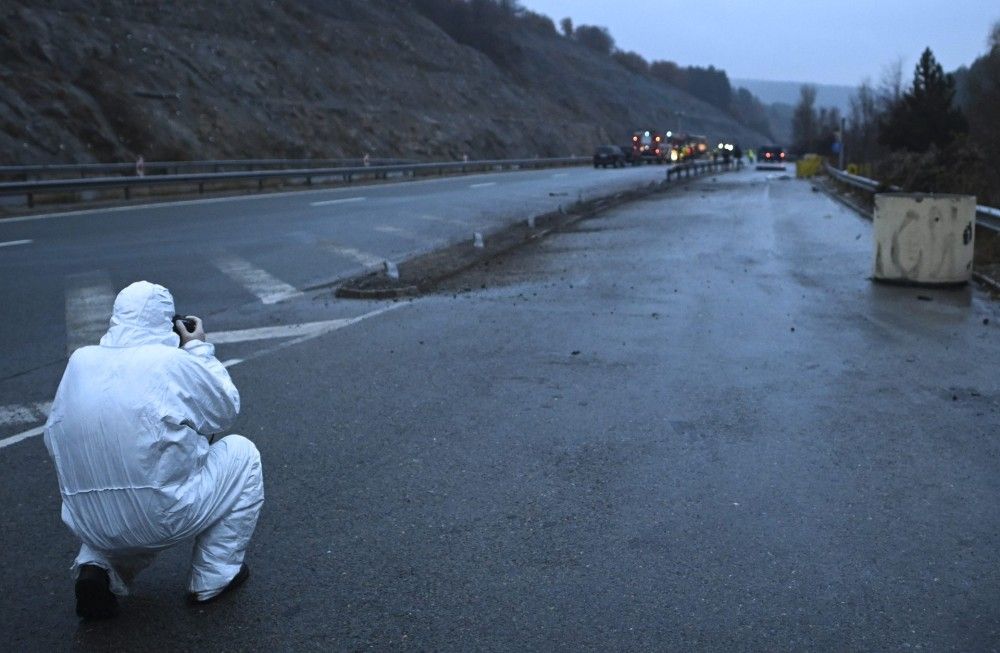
x=790 y=40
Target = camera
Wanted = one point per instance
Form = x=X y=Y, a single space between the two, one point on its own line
x=188 y=323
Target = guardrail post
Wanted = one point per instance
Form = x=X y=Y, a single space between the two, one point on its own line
x=201 y=187
x=31 y=200
x=128 y=193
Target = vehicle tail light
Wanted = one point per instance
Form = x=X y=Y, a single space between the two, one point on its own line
x=782 y=155
x=767 y=155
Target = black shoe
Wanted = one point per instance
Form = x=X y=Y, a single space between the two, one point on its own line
x=94 y=599
x=241 y=577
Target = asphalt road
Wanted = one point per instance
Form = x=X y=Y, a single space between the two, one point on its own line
x=236 y=261
x=691 y=423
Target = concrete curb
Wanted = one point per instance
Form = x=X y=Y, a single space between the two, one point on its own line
x=421 y=273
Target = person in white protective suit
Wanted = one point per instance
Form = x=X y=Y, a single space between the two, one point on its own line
x=128 y=433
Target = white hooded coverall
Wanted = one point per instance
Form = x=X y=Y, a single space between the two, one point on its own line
x=136 y=472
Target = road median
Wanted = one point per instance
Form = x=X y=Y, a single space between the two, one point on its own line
x=421 y=273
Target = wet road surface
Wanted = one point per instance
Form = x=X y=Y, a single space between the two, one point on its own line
x=689 y=424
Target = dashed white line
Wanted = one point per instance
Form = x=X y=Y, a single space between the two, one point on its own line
x=346 y=200
x=231 y=198
x=89 y=300
x=305 y=332
x=560 y=174
x=267 y=288
x=14 y=243
x=484 y=184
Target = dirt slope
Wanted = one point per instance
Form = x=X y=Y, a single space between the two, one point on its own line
x=109 y=80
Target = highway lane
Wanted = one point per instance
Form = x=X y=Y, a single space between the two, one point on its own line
x=241 y=262
x=691 y=423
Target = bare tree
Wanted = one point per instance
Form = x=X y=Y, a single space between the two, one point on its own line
x=862 y=131
x=804 y=120
x=890 y=88
x=567 y=26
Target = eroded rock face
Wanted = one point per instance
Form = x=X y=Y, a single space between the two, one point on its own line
x=112 y=80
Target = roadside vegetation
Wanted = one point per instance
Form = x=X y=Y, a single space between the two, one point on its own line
x=939 y=133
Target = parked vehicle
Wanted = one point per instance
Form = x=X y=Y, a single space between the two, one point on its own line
x=609 y=155
x=648 y=146
x=771 y=157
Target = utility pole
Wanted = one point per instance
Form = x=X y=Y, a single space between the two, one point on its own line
x=843 y=127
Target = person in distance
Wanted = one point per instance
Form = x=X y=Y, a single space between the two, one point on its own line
x=129 y=435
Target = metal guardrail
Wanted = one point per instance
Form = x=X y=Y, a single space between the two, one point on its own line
x=30 y=189
x=986 y=216
x=38 y=172
x=694 y=168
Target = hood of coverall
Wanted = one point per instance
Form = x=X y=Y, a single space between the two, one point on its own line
x=142 y=315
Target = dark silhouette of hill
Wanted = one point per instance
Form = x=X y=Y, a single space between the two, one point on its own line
x=111 y=80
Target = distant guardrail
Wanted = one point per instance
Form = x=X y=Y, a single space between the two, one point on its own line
x=694 y=168
x=38 y=172
x=30 y=190
x=986 y=216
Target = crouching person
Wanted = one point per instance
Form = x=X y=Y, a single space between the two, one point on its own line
x=128 y=433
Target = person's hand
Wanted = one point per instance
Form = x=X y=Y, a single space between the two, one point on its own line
x=188 y=336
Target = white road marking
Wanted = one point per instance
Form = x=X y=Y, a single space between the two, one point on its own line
x=232 y=198
x=317 y=329
x=13 y=243
x=560 y=174
x=268 y=333
x=346 y=200
x=25 y=413
x=268 y=289
x=484 y=184
x=14 y=439
x=89 y=300
x=402 y=233
x=364 y=258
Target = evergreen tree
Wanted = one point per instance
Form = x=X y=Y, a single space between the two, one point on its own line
x=925 y=115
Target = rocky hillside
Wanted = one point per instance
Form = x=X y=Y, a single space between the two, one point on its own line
x=112 y=79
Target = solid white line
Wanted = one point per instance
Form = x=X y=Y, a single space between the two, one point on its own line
x=267 y=288
x=89 y=300
x=484 y=185
x=328 y=327
x=343 y=201
x=14 y=439
x=364 y=258
x=12 y=243
x=267 y=333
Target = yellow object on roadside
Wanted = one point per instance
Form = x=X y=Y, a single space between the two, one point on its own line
x=808 y=166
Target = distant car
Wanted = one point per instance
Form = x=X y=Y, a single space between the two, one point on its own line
x=609 y=155
x=771 y=157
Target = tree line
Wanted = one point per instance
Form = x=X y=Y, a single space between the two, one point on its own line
x=940 y=132
x=486 y=25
